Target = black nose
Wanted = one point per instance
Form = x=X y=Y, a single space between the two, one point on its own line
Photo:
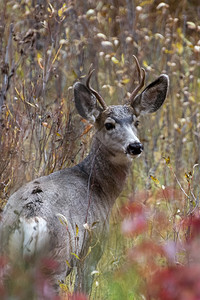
x=135 y=148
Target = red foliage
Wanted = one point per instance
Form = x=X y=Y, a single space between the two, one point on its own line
x=170 y=194
x=3 y=267
x=192 y=224
x=176 y=283
x=43 y=284
x=132 y=208
x=180 y=282
x=135 y=204
x=78 y=296
x=147 y=247
x=135 y=221
x=145 y=256
x=134 y=225
x=48 y=264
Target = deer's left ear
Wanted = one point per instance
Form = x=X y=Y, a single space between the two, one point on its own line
x=153 y=96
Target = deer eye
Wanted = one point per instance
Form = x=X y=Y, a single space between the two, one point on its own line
x=136 y=123
x=109 y=126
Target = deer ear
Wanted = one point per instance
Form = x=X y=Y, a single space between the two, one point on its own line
x=86 y=103
x=153 y=96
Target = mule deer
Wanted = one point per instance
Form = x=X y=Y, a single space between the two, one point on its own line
x=81 y=196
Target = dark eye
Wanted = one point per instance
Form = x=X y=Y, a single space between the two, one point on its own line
x=136 y=123
x=109 y=126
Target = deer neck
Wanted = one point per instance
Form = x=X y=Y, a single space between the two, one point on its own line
x=103 y=170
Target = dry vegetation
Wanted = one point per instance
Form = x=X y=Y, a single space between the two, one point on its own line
x=45 y=46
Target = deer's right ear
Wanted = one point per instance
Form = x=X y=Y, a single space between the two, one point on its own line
x=86 y=103
x=153 y=96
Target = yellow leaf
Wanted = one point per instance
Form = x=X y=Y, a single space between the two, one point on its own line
x=125 y=80
x=145 y=64
x=57 y=54
x=77 y=230
x=114 y=60
x=75 y=255
x=188 y=176
x=167 y=160
x=68 y=263
x=63 y=287
x=8 y=112
x=143 y=3
x=155 y=180
x=39 y=55
x=192 y=98
x=62 y=10
x=179 y=31
x=19 y=94
x=62 y=219
x=74 y=74
x=89 y=250
x=168 y=51
x=179 y=47
x=122 y=59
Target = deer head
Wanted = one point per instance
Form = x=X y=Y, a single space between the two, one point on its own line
x=117 y=124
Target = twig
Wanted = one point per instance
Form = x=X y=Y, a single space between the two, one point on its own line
x=6 y=79
x=180 y=184
x=7 y=76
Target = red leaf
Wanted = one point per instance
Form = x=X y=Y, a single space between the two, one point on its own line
x=134 y=225
x=176 y=283
x=78 y=296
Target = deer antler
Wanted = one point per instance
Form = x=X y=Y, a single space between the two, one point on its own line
x=97 y=95
x=141 y=79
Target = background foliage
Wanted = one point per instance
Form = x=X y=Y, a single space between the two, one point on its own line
x=45 y=46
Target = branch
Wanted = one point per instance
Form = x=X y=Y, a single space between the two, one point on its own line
x=5 y=70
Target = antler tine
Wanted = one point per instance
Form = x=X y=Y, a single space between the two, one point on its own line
x=97 y=95
x=141 y=79
x=90 y=72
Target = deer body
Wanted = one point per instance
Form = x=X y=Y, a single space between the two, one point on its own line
x=67 y=212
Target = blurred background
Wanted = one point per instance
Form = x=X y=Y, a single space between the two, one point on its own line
x=45 y=46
